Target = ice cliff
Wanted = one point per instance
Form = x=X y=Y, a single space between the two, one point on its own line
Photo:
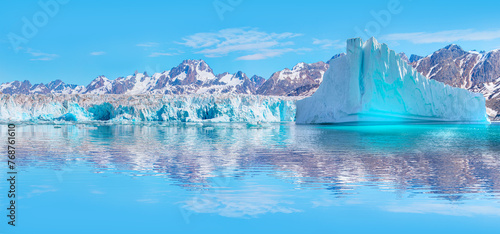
x=373 y=84
x=137 y=108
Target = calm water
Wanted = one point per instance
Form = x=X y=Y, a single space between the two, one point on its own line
x=234 y=178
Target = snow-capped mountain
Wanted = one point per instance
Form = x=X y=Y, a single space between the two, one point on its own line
x=302 y=80
x=58 y=86
x=16 y=87
x=450 y=65
x=258 y=80
x=25 y=87
x=475 y=71
x=99 y=85
x=191 y=72
x=189 y=77
x=134 y=84
x=230 y=83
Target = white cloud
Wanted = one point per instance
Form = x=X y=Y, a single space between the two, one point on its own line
x=148 y=200
x=40 y=56
x=444 y=36
x=260 y=45
x=158 y=54
x=245 y=205
x=98 y=192
x=148 y=44
x=39 y=190
x=97 y=53
x=42 y=59
x=446 y=209
x=327 y=43
x=269 y=53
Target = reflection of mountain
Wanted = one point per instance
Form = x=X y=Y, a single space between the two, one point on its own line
x=450 y=162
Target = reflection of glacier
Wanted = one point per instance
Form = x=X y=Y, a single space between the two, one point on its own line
x=452 y=162
x=372 y=83
x=138 y=108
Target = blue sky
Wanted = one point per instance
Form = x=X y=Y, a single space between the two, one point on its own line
x=76 y=41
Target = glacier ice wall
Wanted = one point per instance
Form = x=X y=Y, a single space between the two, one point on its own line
x=373 y=84
x=139 y=108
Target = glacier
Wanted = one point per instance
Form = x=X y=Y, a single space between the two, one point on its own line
x=373 y=84
x=145 y=108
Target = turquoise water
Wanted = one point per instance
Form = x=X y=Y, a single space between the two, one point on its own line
x=236 y=178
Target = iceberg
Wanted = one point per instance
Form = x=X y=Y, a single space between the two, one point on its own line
x=373 y=84
x=145 y=108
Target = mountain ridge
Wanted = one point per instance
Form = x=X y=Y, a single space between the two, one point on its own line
x=451 y=65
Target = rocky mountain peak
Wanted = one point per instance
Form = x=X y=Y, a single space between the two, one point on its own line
x=451 y=65
x=299 y=66
x=54 y=84
x=415 y=58
x=453 y=47
x=240 y=75
x=449 y=52
x=403 y=56
x=300 y=80
x=257 y=80
x=194 y=64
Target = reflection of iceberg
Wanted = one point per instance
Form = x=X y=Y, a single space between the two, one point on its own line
x=372 y=83
x=125 y=108
x=445 y=161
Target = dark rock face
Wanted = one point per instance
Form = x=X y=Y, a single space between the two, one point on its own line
x=494 y=104
x=257 y=80
x=122 y=85
x=404 y=57
x=246 y=86
x=306 y=90
x=16 y=87
x=477 y=72
x=456 y=67
x=186 y=73
x=58 y=86
x=26 y=88
x=444 y=65
x=163 y=80
x=414 y=58
x=488 y=69
x=99 y=83
x=39 y=89
x=288 y=81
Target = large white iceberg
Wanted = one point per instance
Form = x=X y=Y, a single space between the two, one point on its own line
x=373 y=84
x=141 y=108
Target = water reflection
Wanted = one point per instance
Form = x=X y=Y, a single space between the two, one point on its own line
x=452 y=162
